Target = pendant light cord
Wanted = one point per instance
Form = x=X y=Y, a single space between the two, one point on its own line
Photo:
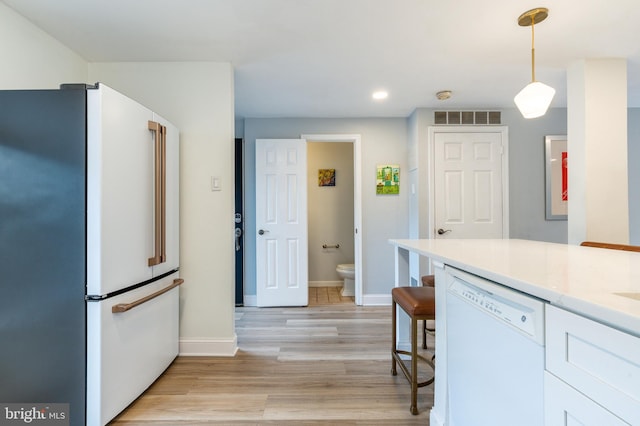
x=533 y=50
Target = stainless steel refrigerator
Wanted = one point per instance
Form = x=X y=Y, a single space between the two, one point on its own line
x=89 y=249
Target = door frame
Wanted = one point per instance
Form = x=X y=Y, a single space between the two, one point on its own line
x=503 y=130
x=239 y=208
x=356 y=140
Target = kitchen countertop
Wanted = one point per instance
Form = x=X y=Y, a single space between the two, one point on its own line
x=600 y=284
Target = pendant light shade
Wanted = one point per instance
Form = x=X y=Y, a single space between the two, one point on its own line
x=534 y=100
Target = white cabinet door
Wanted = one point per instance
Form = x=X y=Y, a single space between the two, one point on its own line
x=565 y=406
x=597 y=360
x=281 y=219
x=120 y=198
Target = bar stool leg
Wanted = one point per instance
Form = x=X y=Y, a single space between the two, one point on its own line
x=424 y=334
x=394 y=371
x=414 y=366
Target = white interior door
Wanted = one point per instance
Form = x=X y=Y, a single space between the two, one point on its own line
x=281 y=221
x=469 y=185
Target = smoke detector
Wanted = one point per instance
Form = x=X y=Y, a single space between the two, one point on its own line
x=443 y=95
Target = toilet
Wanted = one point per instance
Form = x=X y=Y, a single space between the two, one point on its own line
x=347 y=271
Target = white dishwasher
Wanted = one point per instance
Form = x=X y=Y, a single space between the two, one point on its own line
x=495 y=353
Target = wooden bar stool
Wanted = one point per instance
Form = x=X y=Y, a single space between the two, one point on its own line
x=427 y=281
x=420 y=304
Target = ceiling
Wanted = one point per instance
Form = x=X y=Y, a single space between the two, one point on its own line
x=324 y=58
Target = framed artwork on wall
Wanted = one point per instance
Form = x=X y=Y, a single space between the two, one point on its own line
x=326 y=177
x=388 y=179
x=556 y=177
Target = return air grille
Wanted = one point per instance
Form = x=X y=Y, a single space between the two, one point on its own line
x=467 y=117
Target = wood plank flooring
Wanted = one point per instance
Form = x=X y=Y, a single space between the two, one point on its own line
x=328 y=363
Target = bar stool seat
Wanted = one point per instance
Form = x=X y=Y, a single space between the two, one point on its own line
x=420 y=304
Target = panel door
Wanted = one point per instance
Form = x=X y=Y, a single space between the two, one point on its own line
x=281 y=221
x=468 y=185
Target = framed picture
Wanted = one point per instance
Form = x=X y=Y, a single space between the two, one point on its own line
x=326 y=177
x=388 y=179
x=556 y=177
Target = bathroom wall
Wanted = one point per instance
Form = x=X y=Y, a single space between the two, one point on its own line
x=330 y=211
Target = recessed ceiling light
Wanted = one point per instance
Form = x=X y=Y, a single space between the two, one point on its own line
x=379 y=95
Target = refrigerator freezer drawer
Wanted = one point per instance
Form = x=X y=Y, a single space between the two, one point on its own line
x=127 y=351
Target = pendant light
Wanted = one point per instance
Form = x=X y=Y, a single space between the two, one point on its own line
x=534 y=100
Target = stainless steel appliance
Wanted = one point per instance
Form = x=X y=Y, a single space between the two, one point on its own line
x=89 y=252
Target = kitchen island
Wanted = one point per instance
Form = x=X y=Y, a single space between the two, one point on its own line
x=591 y=332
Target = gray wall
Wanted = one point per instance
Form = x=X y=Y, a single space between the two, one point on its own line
x=526 y=142
x=526 y=175
x=383 y=217
x=401 y=141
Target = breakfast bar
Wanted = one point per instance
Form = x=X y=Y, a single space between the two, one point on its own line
x=555 y=325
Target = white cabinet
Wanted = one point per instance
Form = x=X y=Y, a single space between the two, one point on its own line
x=566 y=406
x=593 y=372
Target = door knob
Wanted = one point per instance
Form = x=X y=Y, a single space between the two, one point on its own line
x=443 y=231
x=262 y=232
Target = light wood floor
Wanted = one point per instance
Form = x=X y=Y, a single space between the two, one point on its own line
x=328 y=363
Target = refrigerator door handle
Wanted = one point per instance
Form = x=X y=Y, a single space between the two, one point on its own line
x=124 y=307
x=160 y=192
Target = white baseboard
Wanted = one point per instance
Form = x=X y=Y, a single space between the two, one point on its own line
x=325 y=283
x=250 y=300
x=205 y=347
x=376 y=299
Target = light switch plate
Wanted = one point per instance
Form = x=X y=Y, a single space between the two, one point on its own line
x=215 y=183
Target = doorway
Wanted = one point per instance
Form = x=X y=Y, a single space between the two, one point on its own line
x=330 y=221
x=355 y=140
x=267 y=266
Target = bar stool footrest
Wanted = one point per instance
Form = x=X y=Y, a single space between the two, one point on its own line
x=396 y=355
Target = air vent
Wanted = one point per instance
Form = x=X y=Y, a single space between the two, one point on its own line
x=467 y=117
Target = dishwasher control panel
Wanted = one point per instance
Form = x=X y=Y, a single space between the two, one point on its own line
x=519 y=316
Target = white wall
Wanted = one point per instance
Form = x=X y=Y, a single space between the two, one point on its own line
x=31 y=59
x=633 y=153
x=198 y=98
x=330 y=210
